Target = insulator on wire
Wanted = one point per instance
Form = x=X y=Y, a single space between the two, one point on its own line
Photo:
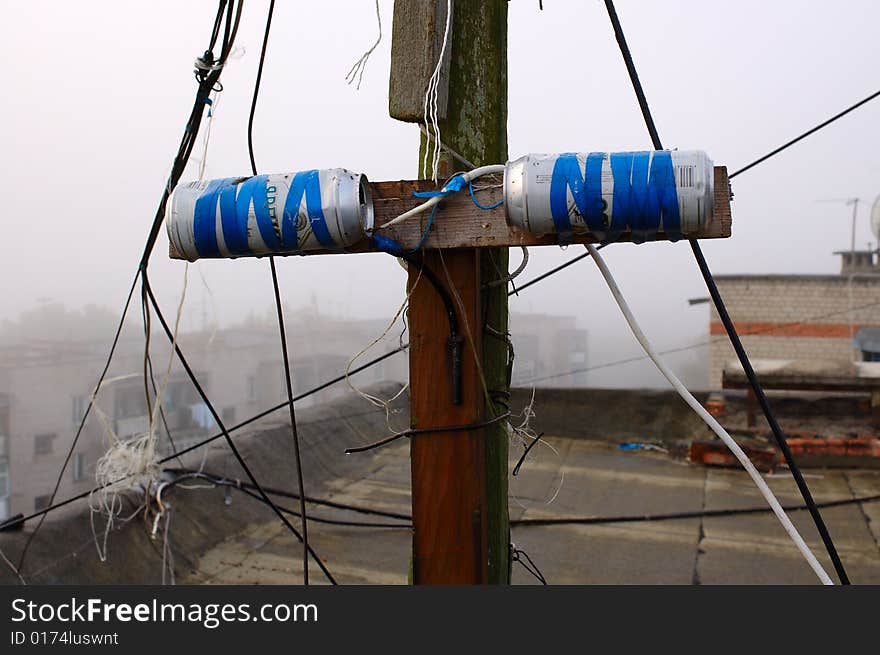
x=286 y=213
x=607 y=194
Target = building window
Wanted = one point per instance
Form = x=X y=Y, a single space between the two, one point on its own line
x=42 y=502
x=43 y=444
x=228 y=415
x=4 y=477
x=79 y=467
x=79 y=408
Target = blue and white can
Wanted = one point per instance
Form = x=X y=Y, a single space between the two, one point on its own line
x=607 y=194
x=269 y=214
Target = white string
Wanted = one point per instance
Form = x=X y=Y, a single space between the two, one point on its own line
x=128 y=464
x=12 y=567
x=526 y=435
x=710 y=420
x=357 y=70
x=430 y=107
x=167 y=555
x=375 y=400
x=212 y=109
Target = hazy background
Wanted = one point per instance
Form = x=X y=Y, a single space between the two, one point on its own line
x=96 y=93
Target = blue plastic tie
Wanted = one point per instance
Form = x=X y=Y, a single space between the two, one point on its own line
x=477 y=202
x=452 y=186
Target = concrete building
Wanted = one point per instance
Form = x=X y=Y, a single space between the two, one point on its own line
x=546 y=345
x=45 y=387
x=810 y=325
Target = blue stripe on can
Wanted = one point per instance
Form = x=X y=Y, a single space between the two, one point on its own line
x=309 y=183
x=264 y=210
x=594 y=205
x=645 y=196
x=205 y=219
x=566 y=175
x=235 y=231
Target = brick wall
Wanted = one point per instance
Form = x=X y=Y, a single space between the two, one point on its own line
x=793 y=316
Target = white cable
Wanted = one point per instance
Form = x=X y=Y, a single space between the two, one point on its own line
x=468 y=177
x=431 y=99
x=357 y=70
x=212 y=109
x=710 y=421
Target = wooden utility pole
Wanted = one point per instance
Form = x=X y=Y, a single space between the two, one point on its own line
x=459 y=479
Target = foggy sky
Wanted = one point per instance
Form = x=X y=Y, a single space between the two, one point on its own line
x=96 y=94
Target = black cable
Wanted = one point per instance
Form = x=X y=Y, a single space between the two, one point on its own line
x=725 y=318
x=702 y=344
x=207 y=77
x=633 y=74
x=271 y=410
x=250 y=128
x=184 y=149
x=82 y=422
x=770 y=415
x=148 y=361
x=217 y=21
x=521 y=556
x=417 y=431
x=554 y=270
x=209 y=405
x=671 y=516
x=292 y=413
x=274 y=491
x=279 y=310
x=455 y=340
x=525 y=454
x=235 y=484
x=339 y=522
x=17 y=522
x=805 y=134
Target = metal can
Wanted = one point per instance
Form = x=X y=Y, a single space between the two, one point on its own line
x=288 y=213
x=607 y=194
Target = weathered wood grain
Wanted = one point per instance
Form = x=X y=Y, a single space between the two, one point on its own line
x=417 y=38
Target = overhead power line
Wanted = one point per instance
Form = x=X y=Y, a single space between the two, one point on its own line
x=812 y=130
x=725 y=317
x=694 y=346
x=285 y=356
x=208 y=70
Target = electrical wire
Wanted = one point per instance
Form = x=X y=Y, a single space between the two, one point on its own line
x=672 y=516
x=235 y=484
x=17 y=522
x=274 y=491
x=279 y=310
x=722 y=311
x=417 y=431
x=562 y=520
x=818 y=127
x=207 y=78
x=693 y=346
x=210 y=407
x=522 y=557
x=553 y=271
x=710 y=421
x=82 y=422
